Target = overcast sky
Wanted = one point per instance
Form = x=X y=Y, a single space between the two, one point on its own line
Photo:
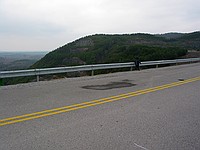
x=45 y=25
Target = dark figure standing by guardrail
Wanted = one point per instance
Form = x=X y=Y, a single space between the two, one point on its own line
x=137 y=64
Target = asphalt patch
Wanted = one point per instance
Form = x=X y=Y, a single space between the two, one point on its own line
x=111 y=85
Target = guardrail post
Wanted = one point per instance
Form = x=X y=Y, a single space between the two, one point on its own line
x=37 y=74
x=1 y=82
x=38 y=78
x=92 y=71
x=157 y=66
x=132 y=66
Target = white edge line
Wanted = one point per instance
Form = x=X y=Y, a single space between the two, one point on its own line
x=141 y=146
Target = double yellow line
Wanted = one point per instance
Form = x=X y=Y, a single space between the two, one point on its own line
x=64 y=109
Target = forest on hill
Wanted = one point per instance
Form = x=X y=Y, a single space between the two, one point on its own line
x=102 y=48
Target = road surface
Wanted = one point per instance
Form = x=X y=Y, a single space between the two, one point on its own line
x=151 y=109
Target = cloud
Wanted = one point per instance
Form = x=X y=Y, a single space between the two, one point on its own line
x=63 y=20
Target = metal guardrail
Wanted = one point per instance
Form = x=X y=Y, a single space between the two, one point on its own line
x=46 y=71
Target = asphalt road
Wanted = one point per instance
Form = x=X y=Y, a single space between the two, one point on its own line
x=140 y=110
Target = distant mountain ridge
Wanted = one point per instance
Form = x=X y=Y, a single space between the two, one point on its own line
x=18 y=60
x=102 y=48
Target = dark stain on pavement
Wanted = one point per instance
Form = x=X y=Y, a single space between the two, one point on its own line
x=111 y=85
x=181 y=79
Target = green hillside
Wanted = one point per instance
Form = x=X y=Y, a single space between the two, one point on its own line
x=96 y=49
x=101 y=48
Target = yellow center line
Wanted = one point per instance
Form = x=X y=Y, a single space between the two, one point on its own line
x=55 y=111
x=75 y=105
x=80 y=104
